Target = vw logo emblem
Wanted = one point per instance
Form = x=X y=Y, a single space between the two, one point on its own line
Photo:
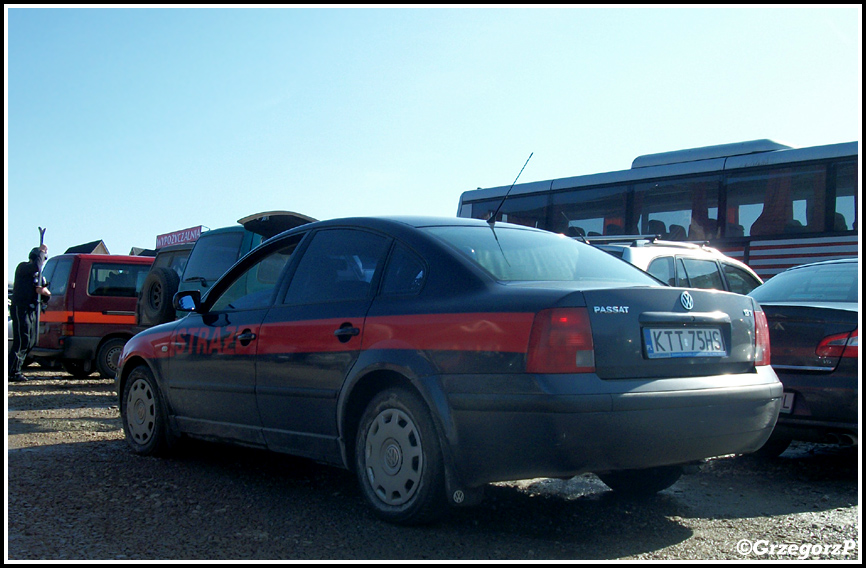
x=687 y=301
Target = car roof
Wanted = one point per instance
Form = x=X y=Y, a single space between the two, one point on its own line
x=824 y=263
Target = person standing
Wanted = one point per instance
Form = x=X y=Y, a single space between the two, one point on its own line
x=25 y=302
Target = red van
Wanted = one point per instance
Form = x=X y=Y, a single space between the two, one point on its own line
x=91 y=313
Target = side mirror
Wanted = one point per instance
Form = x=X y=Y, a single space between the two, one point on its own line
x=187 y=301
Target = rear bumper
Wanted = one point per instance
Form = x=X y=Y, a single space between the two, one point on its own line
x=557 y=426
x=822 y=403
x=72 y=347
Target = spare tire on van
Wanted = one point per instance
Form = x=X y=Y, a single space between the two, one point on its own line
x=155 y=300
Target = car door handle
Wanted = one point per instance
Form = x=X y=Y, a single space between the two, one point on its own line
x=346 y=332
x=245 y=337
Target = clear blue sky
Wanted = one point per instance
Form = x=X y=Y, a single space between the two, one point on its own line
x=122 y=124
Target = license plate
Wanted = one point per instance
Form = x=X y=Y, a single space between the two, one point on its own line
x=662 y=343
x=787 y=403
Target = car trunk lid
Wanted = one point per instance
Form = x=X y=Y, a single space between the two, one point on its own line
x=796 y=331
x=670 y=332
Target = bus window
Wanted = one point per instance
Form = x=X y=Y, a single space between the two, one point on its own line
x=845 y=218
x=782 y=201
x=679 y=210
x=526 y=210
x=589 y=212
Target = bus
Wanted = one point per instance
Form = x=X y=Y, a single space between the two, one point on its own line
x=764 y=203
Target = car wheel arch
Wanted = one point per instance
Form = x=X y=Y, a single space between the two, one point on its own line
x=361 y=387
x=128 y=367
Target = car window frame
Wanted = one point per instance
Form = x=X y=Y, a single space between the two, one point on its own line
x=303 y=249
x=239 y=268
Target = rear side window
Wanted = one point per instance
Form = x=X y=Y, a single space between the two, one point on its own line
x=56 y=274
x=213 y=255
x=118 y=280
x=511 y=254
x=405 y=274
x=337 y=266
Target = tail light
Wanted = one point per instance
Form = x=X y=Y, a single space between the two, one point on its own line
x=762 y=339
x=561 y=342
x=840 y=345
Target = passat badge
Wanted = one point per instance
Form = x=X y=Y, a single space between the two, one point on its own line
x=687 y=301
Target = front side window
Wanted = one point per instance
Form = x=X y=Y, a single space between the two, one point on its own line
x=703 y=274
x=510 y=254
x=339 y=265
x=254 y=287
x=739 y=281
x=118 y=280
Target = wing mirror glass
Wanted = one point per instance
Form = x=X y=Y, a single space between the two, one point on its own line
x=187 y=301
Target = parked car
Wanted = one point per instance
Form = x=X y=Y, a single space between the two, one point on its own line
x=689 y=265
x=91 y=312
x=198 y=265
x=433 y=356
x=217 y=250
x=812 y=312
x=161 y=283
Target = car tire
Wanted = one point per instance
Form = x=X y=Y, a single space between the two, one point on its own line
x=78 y=368
x=155 y=300
x=143 y=415
x=398 y=459
x=108 y=356
x=642 y=482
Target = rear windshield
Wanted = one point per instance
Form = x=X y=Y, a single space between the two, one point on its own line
x=514 y=254
x=213 y=255
x=836 y=282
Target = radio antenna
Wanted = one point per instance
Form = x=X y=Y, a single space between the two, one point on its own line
x=492 y=218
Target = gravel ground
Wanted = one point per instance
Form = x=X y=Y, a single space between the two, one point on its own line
x=76 y=493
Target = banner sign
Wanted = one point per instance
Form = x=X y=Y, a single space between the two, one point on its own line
x=178 y=237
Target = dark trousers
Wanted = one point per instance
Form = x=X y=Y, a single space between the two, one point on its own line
x=24 y=336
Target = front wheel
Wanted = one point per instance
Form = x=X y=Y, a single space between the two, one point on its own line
x=398 y=459
x=642 y=482
x=144 y=418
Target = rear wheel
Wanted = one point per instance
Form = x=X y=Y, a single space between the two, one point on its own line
x=144 y=418
x=642 y=482
x=398 y=459
x=108 y=356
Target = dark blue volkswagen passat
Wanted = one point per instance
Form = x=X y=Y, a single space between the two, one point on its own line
x=432 y=356
x=812 y=311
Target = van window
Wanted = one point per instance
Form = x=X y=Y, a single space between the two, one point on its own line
x=56 y=273
x=118 y=280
